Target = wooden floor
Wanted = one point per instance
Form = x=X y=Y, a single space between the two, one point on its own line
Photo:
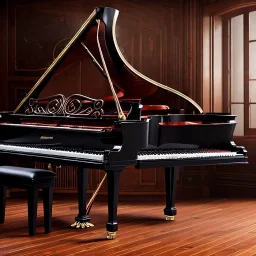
x=202 y=227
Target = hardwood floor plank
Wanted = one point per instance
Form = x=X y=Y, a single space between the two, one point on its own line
x=242 y=243
x=211 y=236
x=196 y=234
x=148 y=234
x=206 y=230
x=248 y=248
x=91 y=233
x=189 y=229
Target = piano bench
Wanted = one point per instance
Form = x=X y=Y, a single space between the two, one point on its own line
x=31 y=180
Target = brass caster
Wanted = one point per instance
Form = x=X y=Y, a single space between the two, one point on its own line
x=79 y=224
x=111 y=235
x=169 y=218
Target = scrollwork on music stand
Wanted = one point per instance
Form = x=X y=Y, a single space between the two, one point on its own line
x=78 y=104
x=52 y=105
x=59 y=105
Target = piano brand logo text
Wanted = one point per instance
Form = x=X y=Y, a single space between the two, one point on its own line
x=46 y=138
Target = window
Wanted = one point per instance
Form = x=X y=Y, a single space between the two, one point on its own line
x=239 y=33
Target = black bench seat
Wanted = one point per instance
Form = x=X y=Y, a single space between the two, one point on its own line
x=32 y=180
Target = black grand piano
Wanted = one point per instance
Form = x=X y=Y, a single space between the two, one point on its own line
x=139 y=124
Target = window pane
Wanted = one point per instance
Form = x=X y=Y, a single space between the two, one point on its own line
x=252 y=92
x=238 y=109
x=237 y=59
x=252 y=121
x=252 y=57
x=252 y=24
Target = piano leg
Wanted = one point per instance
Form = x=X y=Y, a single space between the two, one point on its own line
x=171 y=174
x=113 y=191
x=82 y=220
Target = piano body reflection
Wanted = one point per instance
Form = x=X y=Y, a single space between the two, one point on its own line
x=124 y=128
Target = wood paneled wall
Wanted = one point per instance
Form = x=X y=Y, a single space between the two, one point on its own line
x=169 y=41
x=154 y=40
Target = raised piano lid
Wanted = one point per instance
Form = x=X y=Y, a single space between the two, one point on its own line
x=128 y=82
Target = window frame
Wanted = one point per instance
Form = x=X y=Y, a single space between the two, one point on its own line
x=226 y=52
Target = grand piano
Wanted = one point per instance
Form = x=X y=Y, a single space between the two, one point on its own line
x=139 y=123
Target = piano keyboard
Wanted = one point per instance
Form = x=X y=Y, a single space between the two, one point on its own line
x=169 y=154
x=55 y=151
x=98 y=155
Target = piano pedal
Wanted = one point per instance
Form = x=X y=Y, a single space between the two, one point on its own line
x=170 y=218
x=79 y=224
x=111 y=235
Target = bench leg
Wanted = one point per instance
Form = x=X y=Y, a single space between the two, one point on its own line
x=3 y=191
x=47 y=200
x=32 y=210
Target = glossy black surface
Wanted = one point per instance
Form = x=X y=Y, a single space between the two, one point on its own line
x=32 y=180
x=115 y=144
x=8 y=173
x=120 y=141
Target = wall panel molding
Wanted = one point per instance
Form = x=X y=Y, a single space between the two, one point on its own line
x=148 y=177
x=3 y=55
x=192 y=50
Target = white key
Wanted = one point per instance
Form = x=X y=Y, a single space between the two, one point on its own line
x=49 y=151
x=185 y=155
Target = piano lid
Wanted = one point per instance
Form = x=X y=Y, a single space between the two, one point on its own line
x=97 y=39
